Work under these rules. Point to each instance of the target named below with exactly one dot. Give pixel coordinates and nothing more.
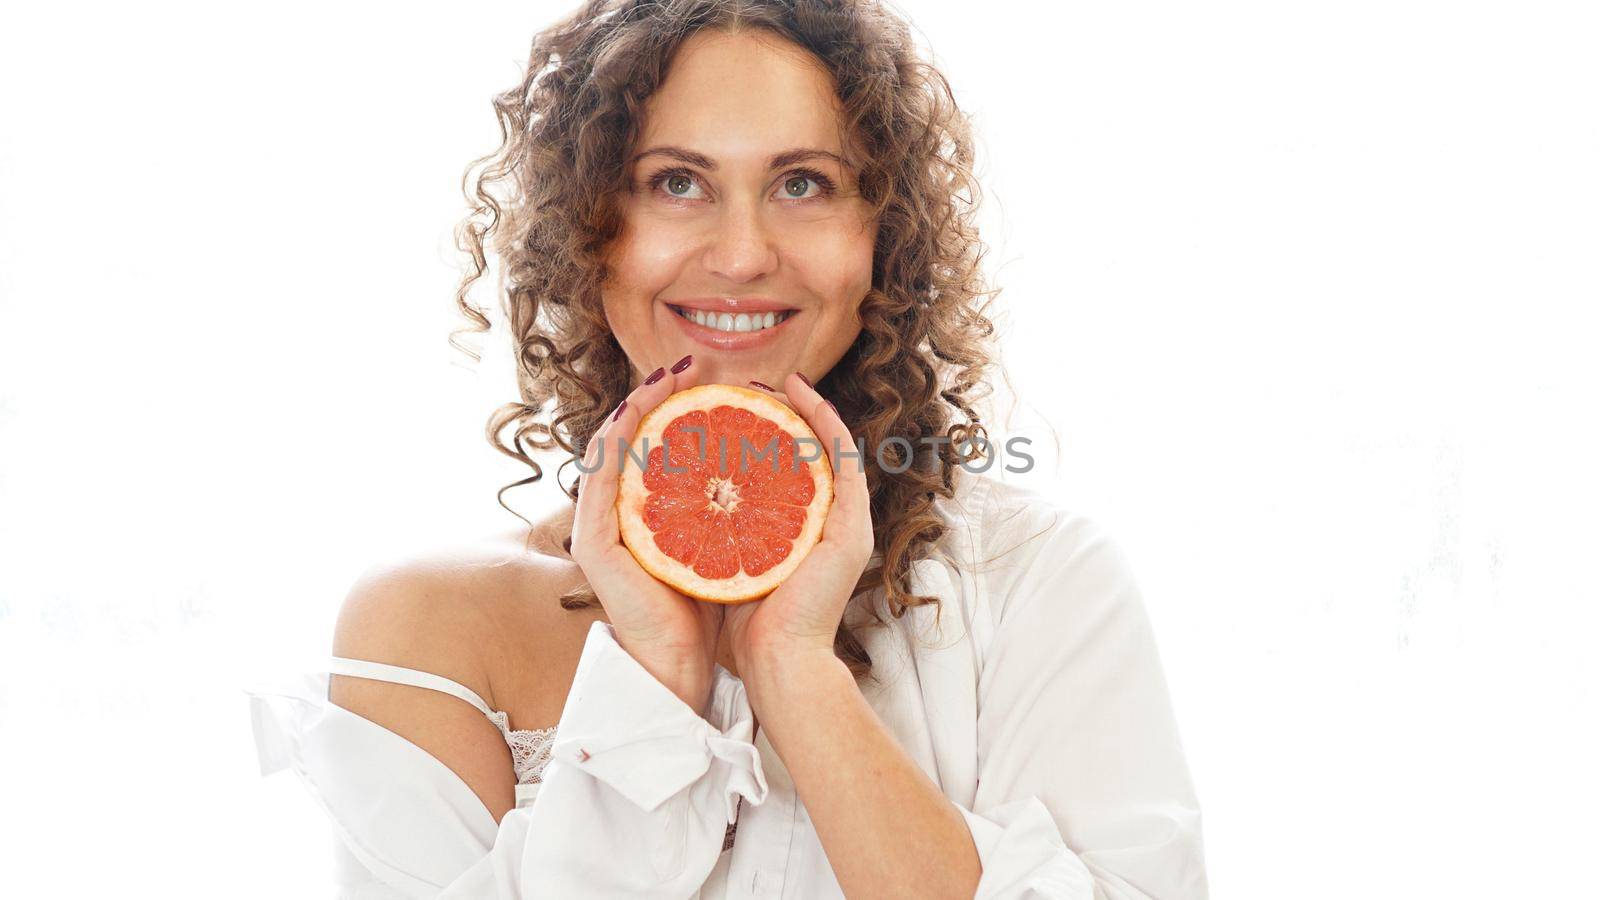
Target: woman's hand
(801, 617)
(672, 635)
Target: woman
(956, 694)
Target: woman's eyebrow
(778, 161)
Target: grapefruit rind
(632, 494)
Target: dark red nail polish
(657, 375)
(620, 407)
(805, 379)
(763, 387)
(682, 364)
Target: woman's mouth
(735, 322)
(728, 330)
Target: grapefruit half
(738, 504)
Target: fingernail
(762, 386)
(682, 364)
(805, 379)
(620, 407)
(832, 407)
(657, 375)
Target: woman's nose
(742, 247)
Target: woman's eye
(678, 185)
(795, 186)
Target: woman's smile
(728, 324)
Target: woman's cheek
(849, 264)
(648, 263)
(839, 245)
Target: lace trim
(530, 750)
(530, 753)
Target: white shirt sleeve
(1083, 789)
(638, 793)
(634, 802)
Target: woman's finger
(588, 521)
(657, 386)
(773, 392)
(824, 419)
(597, 500)
(850, 495)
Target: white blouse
(1037, 703)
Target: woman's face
(742, 212)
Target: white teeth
(729, 322)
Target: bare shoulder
(463, 606)
(482, 613)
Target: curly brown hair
(917, 368)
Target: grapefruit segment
(723, 509)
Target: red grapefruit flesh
(707, 523)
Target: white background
(1303, 290)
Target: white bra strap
(361, 668)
